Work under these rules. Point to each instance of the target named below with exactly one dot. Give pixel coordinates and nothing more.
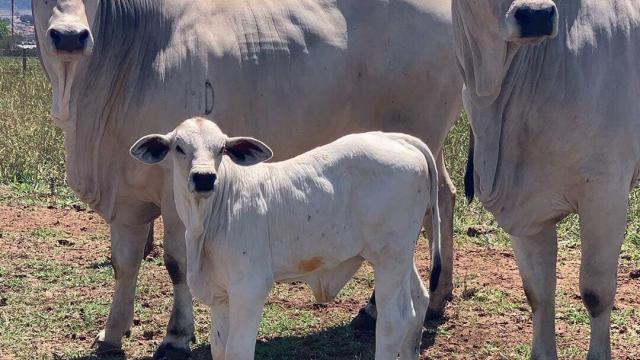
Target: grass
(56, 282)
(30, 146)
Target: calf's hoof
(169, 352)
(363, 321)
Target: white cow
(552, 92)
(314, 218)
(296, 73)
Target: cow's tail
(469, 186)
(436, 256)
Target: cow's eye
(179, 149)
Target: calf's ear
(151, 149)
(247, 151)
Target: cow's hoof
(170, 352)
(105, 349)
(435, 311)
(363, 321)
(433, 314)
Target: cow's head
(198, 147)
(489, 32)
(65, 38)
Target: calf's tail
(469, 187)
(436, 257)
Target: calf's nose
(69, 40)
(203, 182)
(536, 22)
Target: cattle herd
(355, 98)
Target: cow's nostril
(84, 35)
(55, 36)
(203, 182)
(551, 10)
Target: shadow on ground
(337, 343)
(341, 342)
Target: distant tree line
(5, 29)
(27, 19)
(6, 41)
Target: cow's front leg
(246, 302)
(536, 256)
(127, 248)
(219, 327)
(602, 226)
(180, 330)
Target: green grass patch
(494, 301)
(46, 233)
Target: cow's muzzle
(70, 41)
(532, 23)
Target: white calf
(314, 218)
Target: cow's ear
(247, 151)
(151, 149)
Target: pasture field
(56, 279)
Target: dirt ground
(56, 285)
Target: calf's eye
(179, 150)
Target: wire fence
(20, 60)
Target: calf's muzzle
(203, 182)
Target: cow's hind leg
(420, 300)
(537, 257)
(127, 248)
(180, 330)
(446, 203)
(602, 226)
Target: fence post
(24, 61)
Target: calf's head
(198, 146)
(65, 38)
(488, 32)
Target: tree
(27, 19)
(5, 29)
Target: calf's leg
(180, 329)
(127, 248)
(246, 301)
(394, 307)
(602, 227)
(537, 256)
(420, 300)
